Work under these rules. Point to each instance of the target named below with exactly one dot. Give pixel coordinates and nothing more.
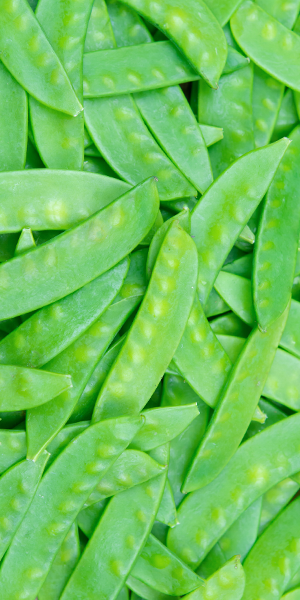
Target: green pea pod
(206, 49)
(26, 241)
(162, 425)
(273, 271)
(17, 488)
(290, 340)
(275, 500)
(167, 513)
(163, 570)
(236, 406)
(99, 35)
(155, 66)
(60, 496)
(242, 266)
(230, 107)
(13, 122)
(267, 100)
(294, 595)
(156, 330)
(80, 358)
(287, 117)
(229, 324)
(223, 10)
(278, 550)
(184, 219)
(128, 28)
(238, 539)
(270, 45)
(228, 583)
(211, 134)
(215, 305)
(136, 155)
(23, 388)
(60, 138)
(45, 199)
(114, 549)
(259, 464)
(176, 392)
(12, 447)
(130, 469)
(62, 567)
(168, 115)
(142, 590)
(88, 518)
(29, 57)
(215, 225)
(134, 212)
(63, 438)
(274, 415)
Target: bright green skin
(13, 447)
(62, 567)
(273, 270)
(28, 55)
(157, 224)
(53, 328)
(242, 266)
(184, 219)
(238, 539)
(60, 496)
(216, 225)
(60, 138)
(229, 324)
(45, 199)
(98, 165)
(102, 234)
(286, 13)
(223, 9)
(170, 118)
(99, 32)
(259, 464)
(17, 488)
(13, 122)
(80, 359)
(228, 583)
(163, 570)
(124, 71)
(112, 549)
(270, 45)
(211, 134)
(162, 425)
(128, 27)
(26, 241)
(294, 595)
(176, 392)
(274, 559)
(63, 438)
(275, 500)
(88, 518)
(230, 107)
(205, 47)
(142, 590)
(274, 415)
(267, 99)
(167, 513)
(237, 403)
(119, 132)
(130, 469)
(215, 305)
(287, 117)
(23, 388)
(156, 330)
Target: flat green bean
(287, 117)
(13, 122)
(275, 499)
(62, 566)
(167, 513)
(228, 583)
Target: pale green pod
(184, 219)
(259, 464)
(13, 122)
(26, 241)
(287, 117)
(294, 595)
(228, 583)
(142, 590)
(211, 134)
(162, 425)
(29, 57)
(12, 447)
(223, 10)
(99, 35)
(62, 567)
(167, 513)
(275, 500)
(266, 101)
(156, 330)
(128, 27)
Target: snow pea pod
(259, 464)
(23, 388)
(53, 328)
(123, 71)
(13, 447)
(62, 567)
(128, 27)
(211, 134)
(236, 406)
(293, 595)
(162, 425)
(266, 101)
(223, 10)
(169, 116)
(60, 496)
(17, 488)
(273, 270)
(230, 107)
(205, 47)
(286, 13)
(270, 45)
(275, 500)
(287, 117)
(216, 225)
(229, 324)
(167, 513)
(131, 468)
(30, 58)
(184, 219)
(99, 33)
(63, 438)
(134, 212)
(242, 266)
(80, 359)
(60, 138)
(142, 590)
(13, 122)
(228, 583)
(119, 132)
(156, 330)
(114, 549)
(275, 557)
(163, 570)
(26, 241)
(46, 199)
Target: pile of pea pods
(149, 299)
